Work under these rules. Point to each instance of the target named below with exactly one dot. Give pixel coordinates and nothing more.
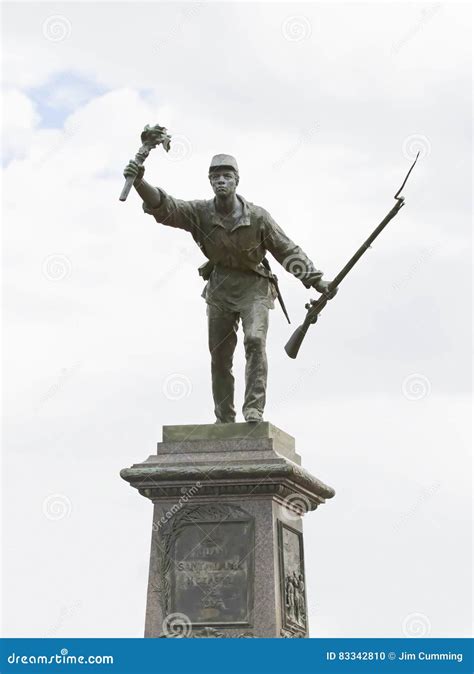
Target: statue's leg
(255, 326)
(222, 327)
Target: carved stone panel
(208, 562)
(292, 581)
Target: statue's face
(224, 182)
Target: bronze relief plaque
(292, 579)
(212, 570)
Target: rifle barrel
(293, 345)
(358, 254)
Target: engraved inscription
(213, 571)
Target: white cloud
(19, 121)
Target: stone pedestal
(227, 542)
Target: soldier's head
(223, 174)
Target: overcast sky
(325, 107)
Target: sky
(325, 106)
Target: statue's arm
(165, 209)
(149, 194)
(289, 255)
(170, 211)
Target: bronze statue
(235, 236)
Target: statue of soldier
(234, 235)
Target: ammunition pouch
(205, 270)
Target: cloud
(20, 119)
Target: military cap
(223, 161)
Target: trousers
(222, 331)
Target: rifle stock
(293, 344)
(314, 307)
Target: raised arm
(165, 209)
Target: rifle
(314, 307)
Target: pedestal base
(227, 544)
